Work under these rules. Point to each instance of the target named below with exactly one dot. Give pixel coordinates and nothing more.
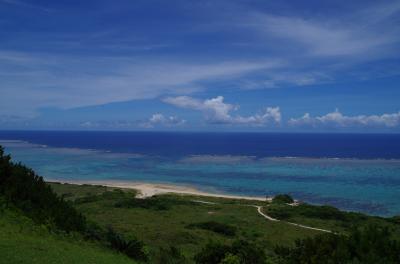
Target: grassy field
(161, 228)
(184, 221)
(178, 219)
(21, 241)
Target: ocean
(355, 172)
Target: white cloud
(219, 112)
(161, 120)
(363, 32)
(337, 119)
(68, 82)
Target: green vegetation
(22, 189)
(371, 244)
(186, 223)
(170, 255)
(326, 217)
(111, 225)
(282, 198)
(132, 248)
(220, 228)
(23, 241)
(154, 203)
(239, 252)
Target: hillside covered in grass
(54, 222)
(23, 241)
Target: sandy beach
(151, 189)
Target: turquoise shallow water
(371, 186)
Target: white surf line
(290, 223)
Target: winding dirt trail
(259, 210)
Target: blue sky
(288, 66)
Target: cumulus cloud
(337, 119)
(218, 112)
(160, 119)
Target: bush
(395, 219)
(321, 212)
(220, 228)
(132, 248)
(212, 253)
(171, 255)
(154, 203)
(283, 212)
(364, 245)
(230, 259)
(239, 252)
(148, 203)
(23, 188)
(282, 198)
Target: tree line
(22, 188)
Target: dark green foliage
(87, 199)
(368, 245)
(154, 203)
(220, 228)
(324, 212)
(20, 187)
(24, 189)
(240, 250)
(230, 259)
(133, 248)
(94, 232)
(116, 194)
(149, 203)
(212, 253)
(395, 219)
(171, 255)
(248, 253)
(282, 198)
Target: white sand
(150, 189)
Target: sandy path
(259, 210)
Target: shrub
(282, 198)
(154, 203)
(171, 255)
(133, 248)
(148, 203)
(230, 259)
(364, 245)
(239, 252)
(213, 252)
(321, 212)
(220, 228)
(248, 253)
(23, 188)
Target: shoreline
(147, 189)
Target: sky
(254, 65)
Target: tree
(282, 198)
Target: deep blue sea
(357, 172)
